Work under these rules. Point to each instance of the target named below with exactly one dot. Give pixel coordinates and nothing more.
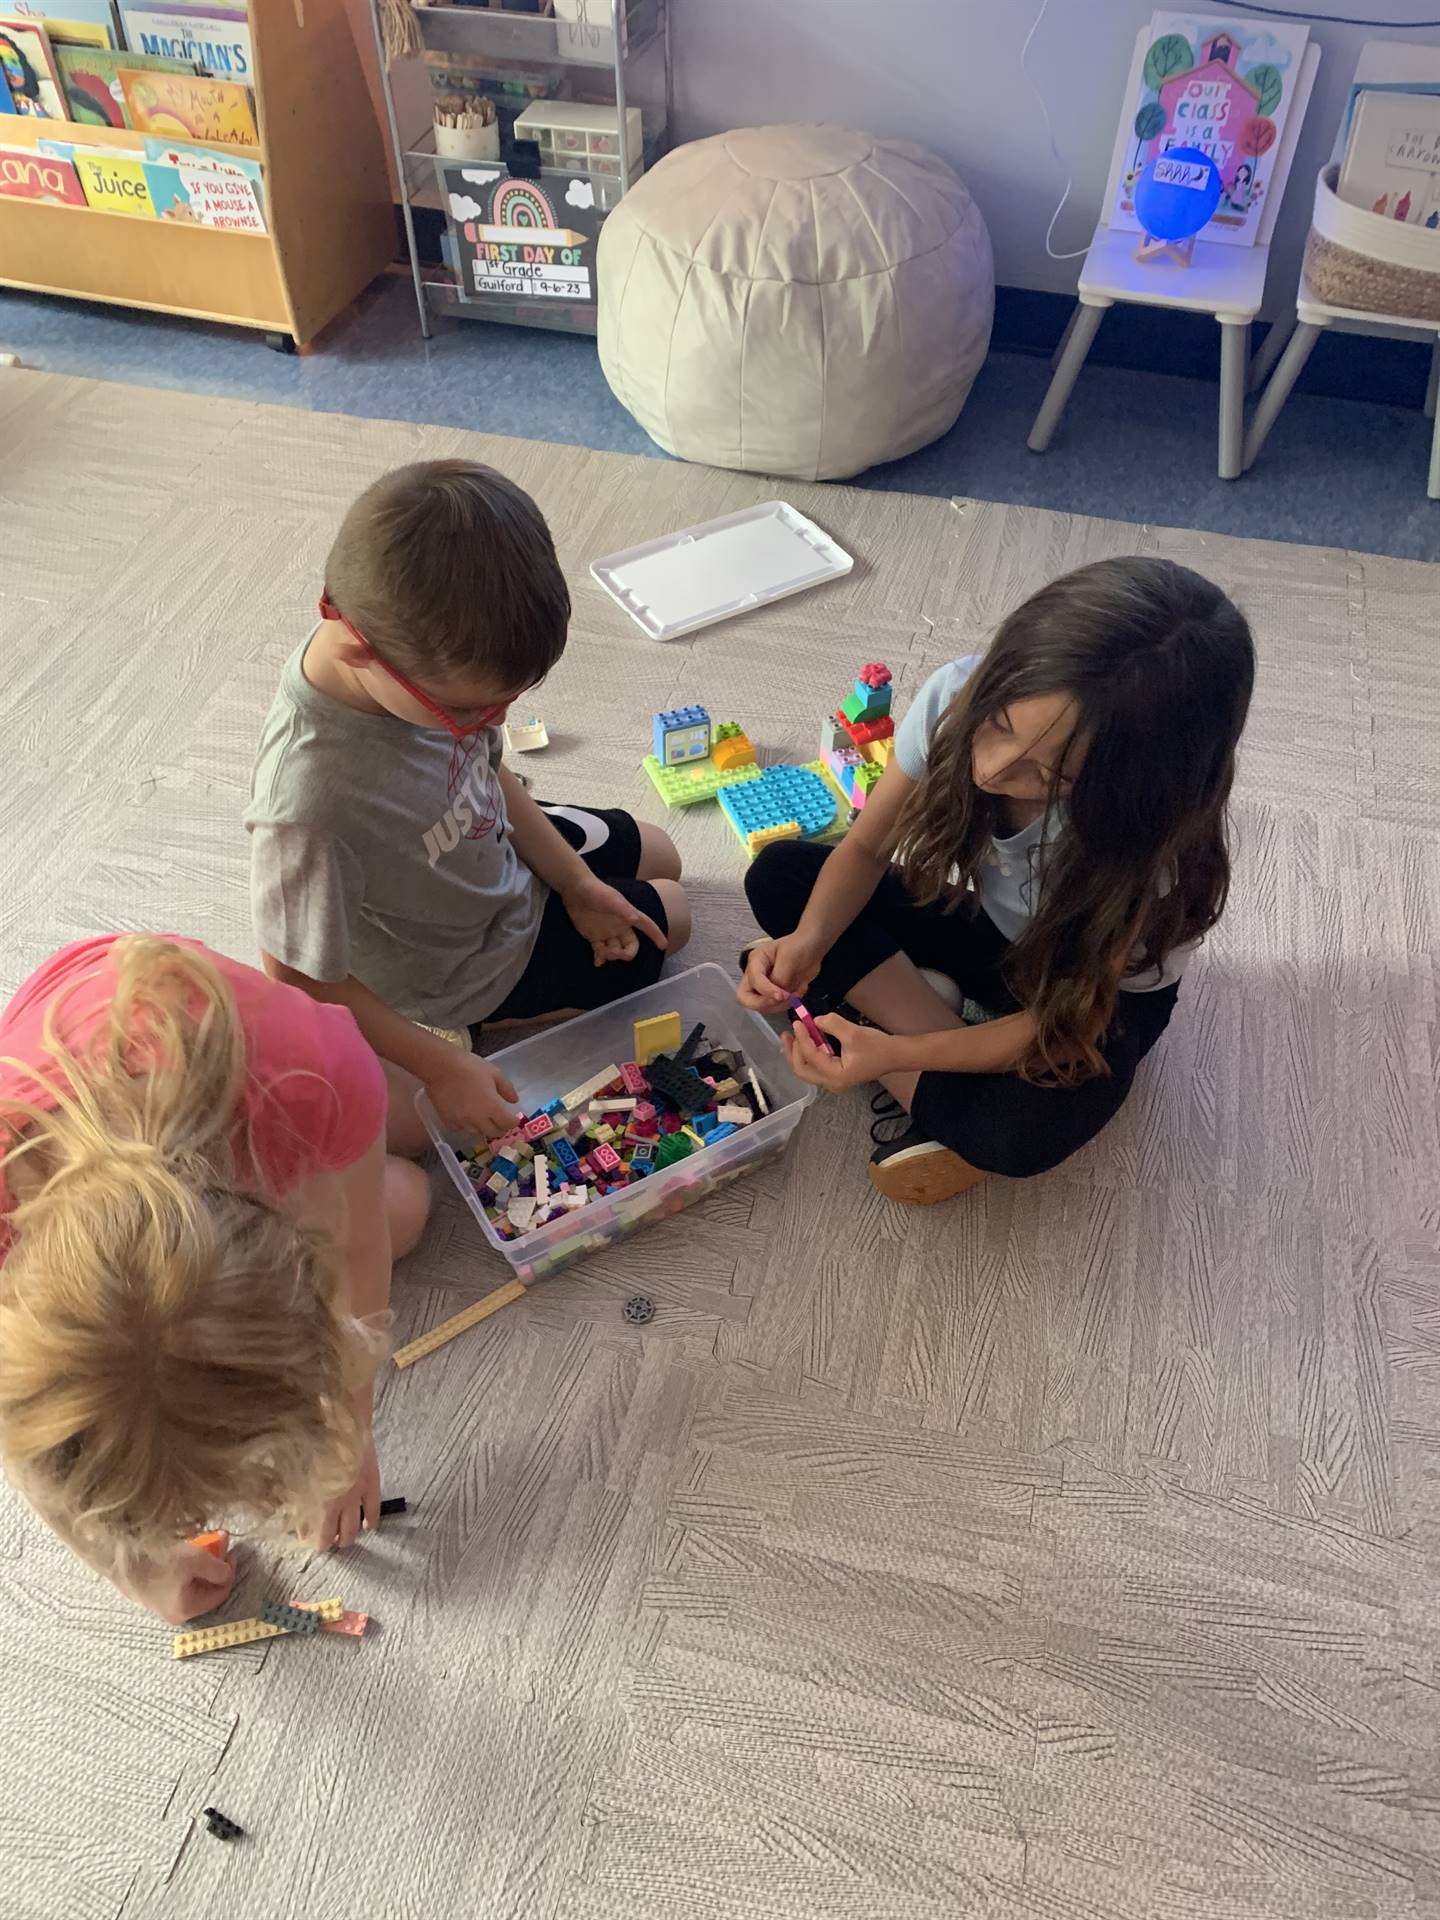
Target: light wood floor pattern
(1069, 1553)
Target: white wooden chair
(1226, 281)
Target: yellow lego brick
(327, 1609)
(660, 1034)
(734, 751)
(762, 836)
(234, 1633)
(878, 752)
(459, 1323)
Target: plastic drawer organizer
(551, 1062)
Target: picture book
(216, 40)
(31, 175)
(28, 69)
(90, 81)
(205, 196)
(1224, 85)
(1387, 66)
(76, 33)
(1392, 159)
(114, 182)
(91, 14)
(7, 105)
(195, 109)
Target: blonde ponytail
(173, 1347)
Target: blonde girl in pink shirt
(198, 1216)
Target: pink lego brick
(604, 1158)
(634, 1078)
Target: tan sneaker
(919, 1172)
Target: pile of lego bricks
(622, 1124)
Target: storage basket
(1368, 264)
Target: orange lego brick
(352, 1623)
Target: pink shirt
(315, 1097)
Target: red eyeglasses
(491, 717)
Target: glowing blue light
(1177, 192)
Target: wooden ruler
(460, 1323)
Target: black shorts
(994, 1121)
(561, 972)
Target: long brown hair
(1159, 665)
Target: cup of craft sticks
(466, 127)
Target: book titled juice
(181, 105)
(115, 182)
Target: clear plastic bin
(551, 1063)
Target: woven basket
(1369, 264)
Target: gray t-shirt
(1006, 881)
(383, 850)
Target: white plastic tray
(723, 567)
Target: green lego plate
(684, 786)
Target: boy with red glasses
(398, 867)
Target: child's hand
(608, 921)
(356, 1511)
(471, 1097)
(189, 1583)
(865, 1054)
(775, 970)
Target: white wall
(947, 73)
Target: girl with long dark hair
(1048, 843)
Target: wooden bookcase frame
(328, 204)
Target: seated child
(1050, 838)
(398, 866)
(197, 1223)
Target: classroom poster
(523, 239)
(1225, 85)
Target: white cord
(1055, 152)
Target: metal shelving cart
(499, 259)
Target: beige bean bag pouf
(803, 301)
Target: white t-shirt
(1008, 875)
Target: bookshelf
(328, 204)
(612, 54)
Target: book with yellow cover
(181, 105)
(114, 182)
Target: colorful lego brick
(347, 1622)
(675, 1146)
(222, 1826)
(635, 1081)
(867, 730)
(279, 1613)
(459, 1323)
(757, 1090)
(801, 1012)
(614, 1103)
(682, 733)
(717, 1134)
(690, 1046)
(235, 1633)
(859, 707)
(874, 673)
(521, 1214)
(731, 750)
(659, 1034)
(642, 1155)
(704, 1123)
(733, 1115)
(833, 737)
(781, 794)
(581, 1095)
(324, 1609)
(604, 1159)
(537, 1129)
(688, 786)
(679, 1087)
(542, 1180)
(503, 1169)
(565, 1157)
(879, 752)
